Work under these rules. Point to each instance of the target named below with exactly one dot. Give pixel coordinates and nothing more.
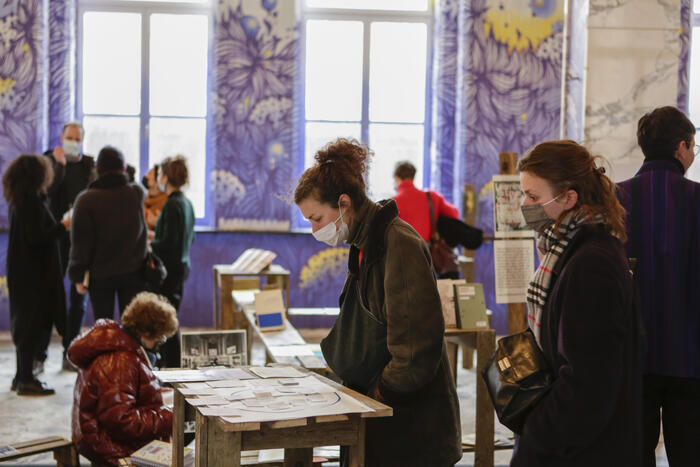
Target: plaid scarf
(552, 247)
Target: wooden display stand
(227, 279)
(484, 341)
(219, 443)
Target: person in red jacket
(117, 406)
(413, 204)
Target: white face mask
(328, 233)
(71, 148)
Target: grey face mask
(535, 217)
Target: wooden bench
(63, 450)
(285, 346)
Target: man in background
(73, 172)
(108, 237)
(413, 205)
(663, 234)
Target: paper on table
(197, 392)
(220, 411)
(207, 400)
(276, 372)
(290, 350)
(227, 383)
(229, 373)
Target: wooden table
(219, 443)
(225, 277)
(484, 341)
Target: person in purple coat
(581, 310)
(663, 231)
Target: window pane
(397, 74)
(111, 63)
(120, 132)
(406, 5)
(178, 68)
(185, 136)
(333, 70)
(320, 134)
(393, 143)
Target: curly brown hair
(26, 175)
(340, 168)
(151, 316)
(566, 165)
(175, 168)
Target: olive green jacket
(397, 285)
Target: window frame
(366, 17)
(146, 9)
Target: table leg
(452, 349)
(301, 457)
(201, 435)
(178, 428)
(356, 453)
(483, 450)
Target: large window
(143, 83)
(694, 82)
(366, 77)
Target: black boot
(34, 388)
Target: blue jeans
(77, 306)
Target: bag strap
(433, 227)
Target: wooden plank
(34, 442)
(287, 423)
(37, 449)
(302, 457)
(452, 350)
(66, 456)
(228, 307)
(517, 317)
(201, 440)
(223, 448)
(343, 433)
(178, 438)
(483, 452)
(331, 418)
(217, 286)
(357, 451)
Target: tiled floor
(24, 418)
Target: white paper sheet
(276, 372)
(514, 265)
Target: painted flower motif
(521, 24)
(4, 294)
(7, 32)
(227, 186)
(272, 110)
(276, 152)
(269, 5)
(8, 97)
(250, 25)
(551, 48)
(325, 266)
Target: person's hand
(80, 288)
(151, 218)
(66, 222)
(59, 155)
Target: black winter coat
(34, 273)
(590, 338)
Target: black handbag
(154, 270)
(517, 377)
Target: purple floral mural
(62, 28)
(255, 55)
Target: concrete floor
(25, 418)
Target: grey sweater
(108, 230)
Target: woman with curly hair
(34, 273)
(117, 406)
